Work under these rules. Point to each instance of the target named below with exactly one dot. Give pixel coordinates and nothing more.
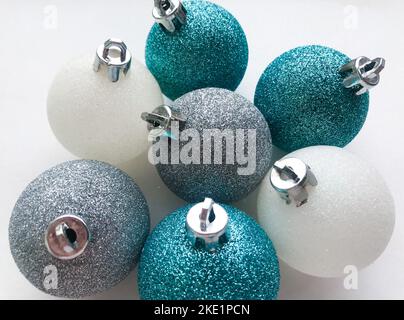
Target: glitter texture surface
(302, 97)
(95, 118)
(246, 267)
(348, 219)
(116, 214)
(221, 109)
(209, 50)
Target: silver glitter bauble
(205, 172)
(78, 228)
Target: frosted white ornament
(345, 216)
(94, 107)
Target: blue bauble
(305, 103)
(105, 221)
(244, 267)
(209, 50)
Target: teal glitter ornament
(315, 95)
(195, 44)
(208, 251)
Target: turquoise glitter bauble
(244, 267)
(209, 50)
(305, 103)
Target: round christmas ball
(315, 95)
(325, 210)
(208, 251)
(222, 149)
(94, 106)
(195, 44)
(78, 229)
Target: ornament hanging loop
(206, 214)
(290, 177)
(115, 57)
(160, 121)
(67, 237)
(206, 225)
(363, 73)
(170, 14)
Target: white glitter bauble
(348, 219)
(95, 118)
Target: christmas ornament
(325, 209)
(315, 95)
(220, 146)
(195, 44)
(208, 251)
(78, 228)
(94, 107)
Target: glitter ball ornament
(78, 228)
(94, 107)
(208, 251)
(325, 209)
(315, 95)
(195, 44)
(222, 148)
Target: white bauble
(348, 219)
(95, 118)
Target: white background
(33, 46)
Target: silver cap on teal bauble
(213, 143)
(315, 95)
(195, 44)
(170, 14)
(207, 224)
(78, 228)
(208, 251)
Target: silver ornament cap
(113, 56)
(170, 14)
(160, 121)
(290, 177)
(363, 73)
(206, 225)
(67, 237)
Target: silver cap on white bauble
(115, 57)
(289, 177)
